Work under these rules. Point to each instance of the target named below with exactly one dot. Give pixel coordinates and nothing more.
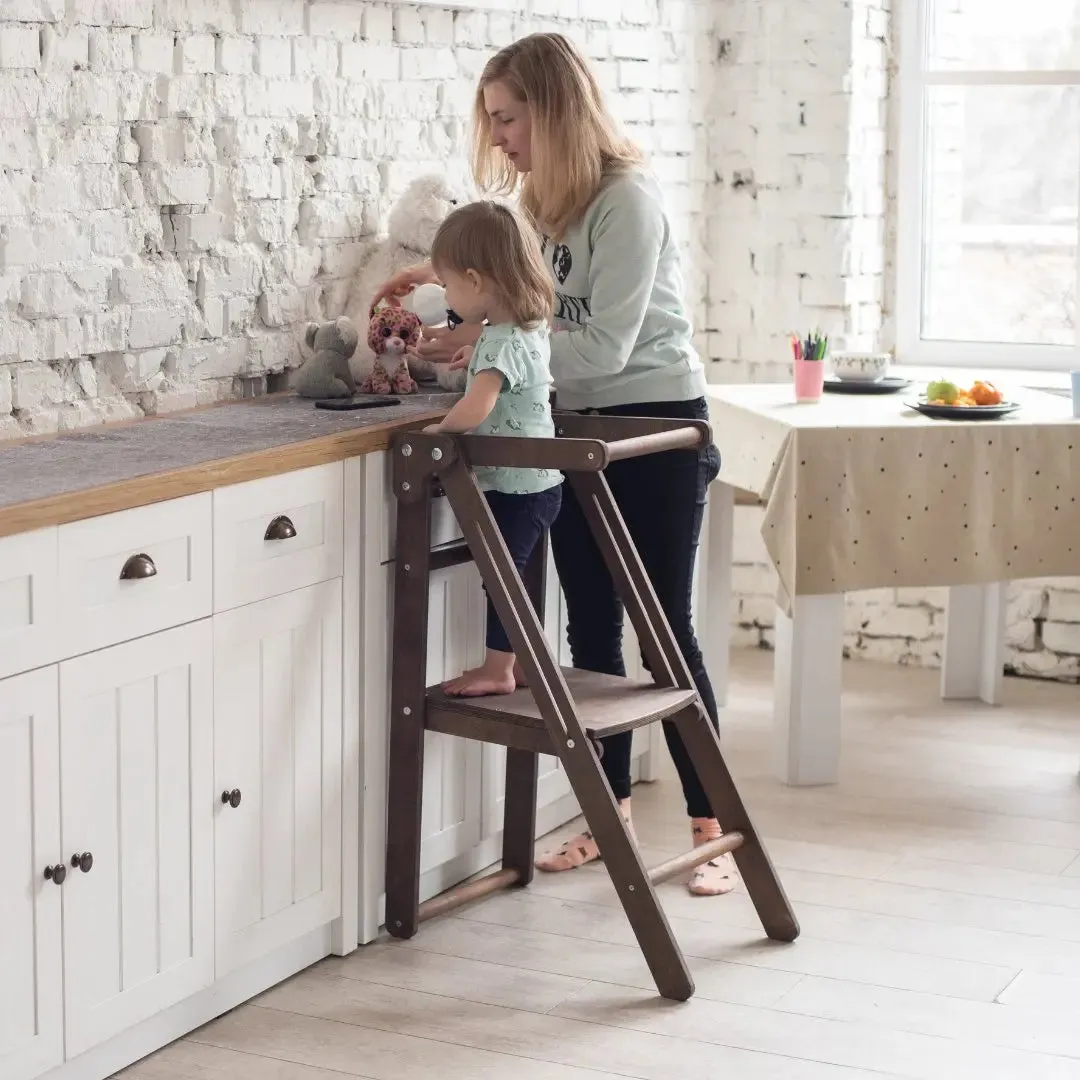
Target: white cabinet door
(31, 994)
(277, 745)
(135, 754)
(452, 766)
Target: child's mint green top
(522, 408)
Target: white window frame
(913, 79)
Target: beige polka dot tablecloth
(862, 491)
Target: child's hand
(433, 429)
(461, 358)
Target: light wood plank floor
(938, 886)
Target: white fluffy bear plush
(413, 222)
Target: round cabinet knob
(231, 798)
(56, 874)
(281, 528)
(138, 567)
(83, 862)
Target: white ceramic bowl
(860, 366)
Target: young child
(489, 261)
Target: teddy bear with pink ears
(413, 222)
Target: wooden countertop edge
(205, 476)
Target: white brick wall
(183, 182)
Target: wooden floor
(938, 888)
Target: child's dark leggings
(522, 520)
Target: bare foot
(717, 876)
(479, 683)
(519, 676)
(580, 849)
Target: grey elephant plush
(326, 373)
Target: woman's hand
(442, 345)
(462, 358)
(403, 283)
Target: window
(988, 261)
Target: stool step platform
(606, 705)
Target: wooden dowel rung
(689, 859)
(464, 894)
(638, 445)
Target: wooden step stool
(565, 711)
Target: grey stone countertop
(58, 468)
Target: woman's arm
(475, 407)
(403, 283)
(626, 244)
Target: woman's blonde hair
(500, 246)
(575, 140)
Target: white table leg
(973, 659)
(806, 685)
(714, 586)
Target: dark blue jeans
(522, 520)
(662, 500)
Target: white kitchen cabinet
(31, 994)
(277, 771)
(135, 761)
(453, 767)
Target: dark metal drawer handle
(281, 528)
(231, 798)
(56, 874)
(83, 862)
(138, 567)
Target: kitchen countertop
(55, 479)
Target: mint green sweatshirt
(622, 332)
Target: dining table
(863, 491)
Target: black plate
(887, 385)
(963, 412)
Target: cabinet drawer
(134, 572)
(444, 525)
(278, 534)
(28, 601)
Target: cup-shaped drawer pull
(138, 567)
(281, 528)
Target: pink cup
(809, 380)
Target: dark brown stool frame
(565, 711)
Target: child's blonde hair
(501, 247)
(575, 140)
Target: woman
(622, 347)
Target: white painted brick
(154, 326)
(196, 53)
(377, 23)
(438, 27)
(1063, 607)
(34, 10)
(155, 53)
(634, 44)
(340, 19)
(236, 55)
(408, 26)
(177, 184)
(112, 12)
(470, 29)
(272, 17)
(274, 56)
(20, 47)
(193, 15)
(110, 50)
(317, 56)
(428, 64)
(362, 60)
